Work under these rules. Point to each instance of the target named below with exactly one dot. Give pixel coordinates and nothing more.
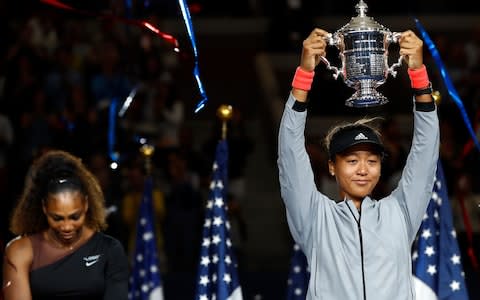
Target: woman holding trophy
(358, 248)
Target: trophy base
(371, 99)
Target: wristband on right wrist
(302, 79)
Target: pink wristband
(419, 78)
(302, 79)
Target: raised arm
(416, 184)
(297, 184)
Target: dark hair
(53, 172)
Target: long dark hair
(52, 172)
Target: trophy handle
(393, 38)
(332, 41)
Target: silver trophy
(363, 44)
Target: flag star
(216, 239)
(227, 224)
(147, 236)
(145, 288)
(453, 233)
(228, 260)
(205, 261)
(153, 269)
(203, 297)
(204, 280)
(432, 269)
(215, 166)
(229, 243)
(219, 202)
(425, 216)
(209, 204)
(139, 257)
(298, 292)
(143, 221)
(207, 223)
(426, 234)
(429, 251)
(142, 273)
(296, 247)
(297, 269)
(220, 184)
(227, 278)
(214, 277)
(217, 221)
(455, 259)
(206, 242)
(415, 255)
(455, 285)
(435, 215)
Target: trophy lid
(362, 22)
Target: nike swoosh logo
(89, 263)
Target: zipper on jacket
(361, 247)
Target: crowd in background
(61, 76)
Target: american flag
(298, 276)
(217, 269)
(145, 279)
(437, 264)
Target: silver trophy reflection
(363, 44)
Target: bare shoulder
(19, 250)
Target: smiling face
(66, 212)
(357, 171)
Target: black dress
(96, 270)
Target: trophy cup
(363, 44)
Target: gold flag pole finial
(147, 152)
(224, 112)
(437, 97)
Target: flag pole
(145, 278)
(224, 113)
(147, 152)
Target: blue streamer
(112, 118)
(128, 7)
(196, 70)
(446, 79)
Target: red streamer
(143, 24)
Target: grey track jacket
(345, 248)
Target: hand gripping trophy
(363, 44)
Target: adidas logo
(361, 136)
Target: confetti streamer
(196, 69)
(140, 23)
(446, 79)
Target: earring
(333, 174)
